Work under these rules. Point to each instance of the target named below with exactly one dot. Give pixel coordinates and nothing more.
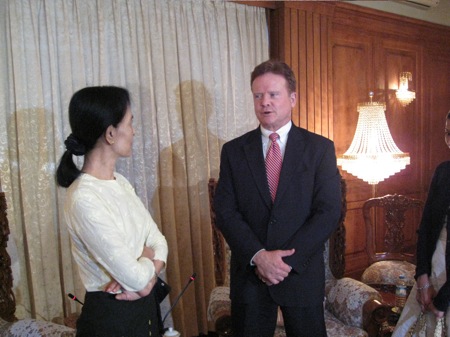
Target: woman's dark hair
(91, 111)
(278, 68)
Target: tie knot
(273, 137)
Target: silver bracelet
(426, 286)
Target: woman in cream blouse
(115, 242)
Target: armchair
(345, 297)
(390, 257)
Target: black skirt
(104, 316)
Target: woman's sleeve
(425, 247)
(95, 225)
(157, 241)
(442, 298)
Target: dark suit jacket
(433, 216)
(303, 216)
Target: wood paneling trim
(264, 4)
(389, 24)
(319, 7)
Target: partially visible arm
(229, 219)
(127, 295)
(425, 292)
(148, 252)
(156, 248)
(270, 267)
(440, 301)
(110, 247)
(114, 286)
(325, 210)
(99, 243)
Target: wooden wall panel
(391, 58)
(339, 52)
(346, 95)
(300, 38)
(435, 112)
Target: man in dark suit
(277, 232)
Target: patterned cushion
(336, 328)
(388, 272)
(345, 300)
(219, 303)
(34, 328)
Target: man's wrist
(253, 258)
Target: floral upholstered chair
(345, 297)
(34, 328)
(10, 326)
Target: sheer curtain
(187, 65)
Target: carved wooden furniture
(351, 306)
(219, 245)
(9, 325)
(390, 258)
(7, 299)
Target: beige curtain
(187, 65)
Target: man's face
(272, 100)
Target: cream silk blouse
(109, 226)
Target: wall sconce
(373, 156)
(404, 95)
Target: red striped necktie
(273, 164)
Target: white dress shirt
(282, 140)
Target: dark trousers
(258, 319)
(104, 316)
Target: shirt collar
(282, 132)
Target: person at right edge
(277, 232)
(431, 293)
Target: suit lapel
(294, 146)
(255, 159)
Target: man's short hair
(275, 67)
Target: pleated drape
(187, 64)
